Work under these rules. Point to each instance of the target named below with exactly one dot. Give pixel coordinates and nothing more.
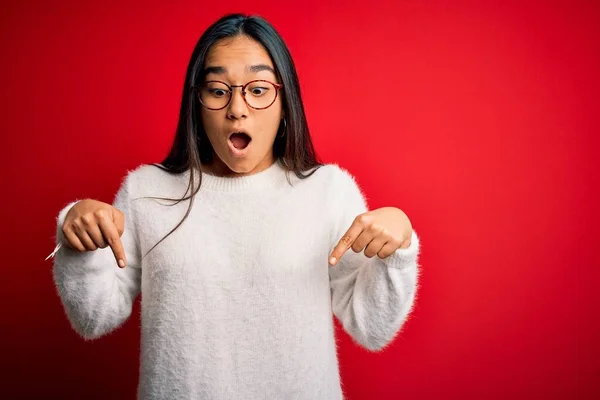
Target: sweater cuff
(405, 258)
(60, 220)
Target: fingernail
(332, 260)
(121, 263)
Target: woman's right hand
(91, 224)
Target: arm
(371, 297)
(96, 294)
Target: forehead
(240, 51)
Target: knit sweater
(238, 302)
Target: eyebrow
(261, 67)
(218, 70)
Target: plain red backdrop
(479, 119)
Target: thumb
(119, 220)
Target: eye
(217, 92)
(258, 91)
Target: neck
(218, 168)
(269, 178)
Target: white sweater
(237, 303)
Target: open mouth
(240, 140)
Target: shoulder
(339, 183)
(339, 178)
(345, 199)
(334, 174)
(150, 179)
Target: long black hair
(191, 148)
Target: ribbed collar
(272, 177)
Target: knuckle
(100, 214)
(364, 220)
(396, 242)
(75, 226)
(346, 240)
(87, 219)
(112, 241)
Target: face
(242, 137)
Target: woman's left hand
(378, 232)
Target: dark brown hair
(191, 148)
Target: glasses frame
(197, 89)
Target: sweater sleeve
(371, 297)
(96, 294)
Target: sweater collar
(271, 177)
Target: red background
(480, 120)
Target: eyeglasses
(258, 94)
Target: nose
(237, 109)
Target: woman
(229, 238)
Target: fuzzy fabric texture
(238, 302)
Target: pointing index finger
(109, 230)
(345, 242)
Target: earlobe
(284, 131)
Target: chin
(241, 166)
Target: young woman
(238, 241)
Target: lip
(237, 153)
(238, 130)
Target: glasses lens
(260, 94)
(214, 95)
